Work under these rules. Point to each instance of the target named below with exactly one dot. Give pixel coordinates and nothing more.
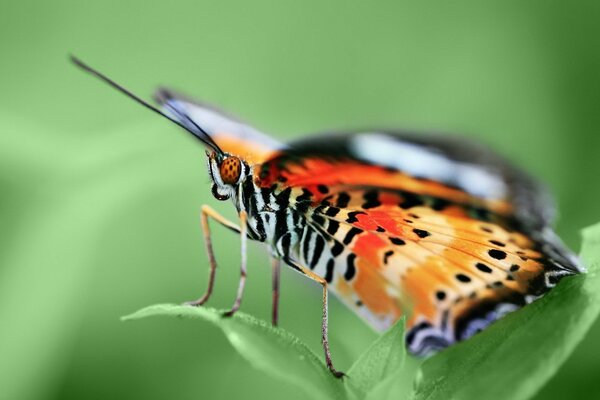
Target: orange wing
(452, 255)
(452, 274)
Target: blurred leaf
(383, 359)
(272, 350)
(397, 386)
(516, 356)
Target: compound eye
(230, 170)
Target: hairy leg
(324, 337)
(206, 213)
(242, 283)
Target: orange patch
(367, 248)
(314, 171)
(252, 152)
(371, 290)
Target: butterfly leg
(242, 283)
(275, 270)
(206, 213)
(324, 337)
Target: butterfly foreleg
(242, 283)
(324, 337)
(206, 213)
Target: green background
(100, 200)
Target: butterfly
(441, 230)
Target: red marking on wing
(367, 248)
(312, 172)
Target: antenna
(198, 132)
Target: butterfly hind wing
(450, 272)
(443, 231)
(230, 134)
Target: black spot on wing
(497, 254)
(410, 200)
(387, 255)
(318, 219)
(332, 211)
(323, 189)
(329, 270)
(342, 200)
(350, 235)
(397, 241)
(319, 246)
(371, 199)
(421, 233)
(332, 227)
(351, 268)
(352, 216)
(483, 268)
(337, 248)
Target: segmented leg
(242, 283)
(207, 212)
(324, 340)
(275, 269)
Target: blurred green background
(100, 200)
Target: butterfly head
(227, 172)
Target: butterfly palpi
(441, 230)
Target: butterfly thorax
(272, 217)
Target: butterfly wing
(232, 135)
(447, 233)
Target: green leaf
(516, 356)
(384, 358)
(397, 386)
(272, 350)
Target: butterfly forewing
(231, 135)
